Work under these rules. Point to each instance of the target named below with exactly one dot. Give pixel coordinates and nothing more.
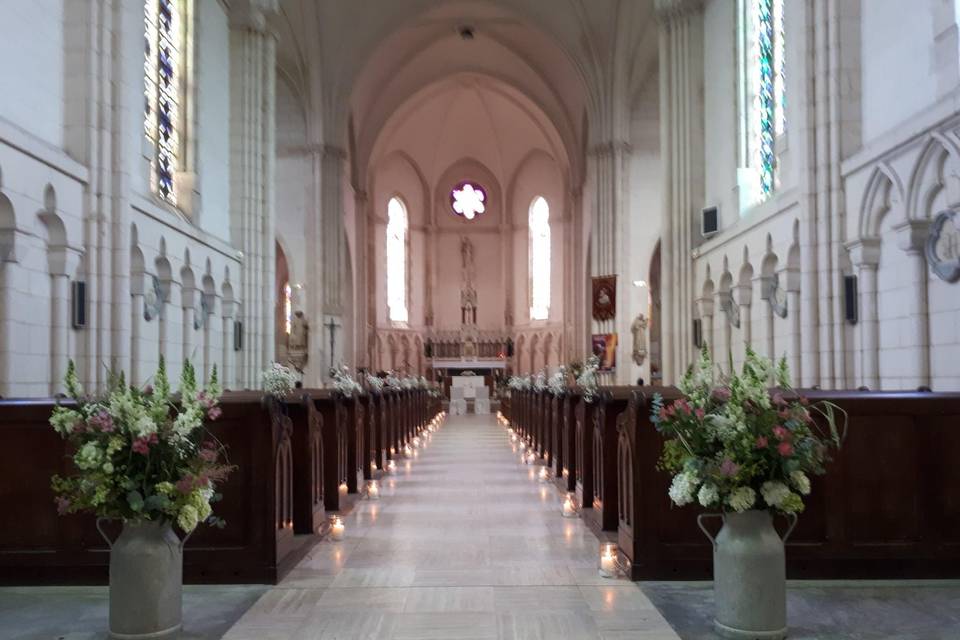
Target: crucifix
(332, 326)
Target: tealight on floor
(463, 543)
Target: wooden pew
(375, 460)
(567, 475)
(889, 506)
(338, 465)
(583, 453)
(309, 514)
(38, 547)
(600, 506)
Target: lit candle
(523, 445)
(544, 475)
(416, 442)
(373, 490)
(407, 451)
(392, 466)
(336, 529)
(569, 509)
(608, 560)
(343, 487)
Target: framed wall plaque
(604, 297)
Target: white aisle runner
(463, 544)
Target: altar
(469, 391)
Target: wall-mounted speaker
(850, 298)
(709, 221)
(237, 335)
(78, 304)
(697, 333)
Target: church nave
(463, 544)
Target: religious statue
(298, 341)
(466, 252)
(639, 331)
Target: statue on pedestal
(298, 341)
(639, 331)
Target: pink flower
(214, 412)
(63, 505)
(721, 394)
(148, 390)
(782, 433)
(663, 413)
(762, 442)
(700, 414)
(785, 449)
(101, 421)
(729, 468)
(778, 399)
(141, 446)
(208, 455)
(185, 485)
(784, 414)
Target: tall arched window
(762, 97)
(397, 260)
(539, 251)
(163, 44)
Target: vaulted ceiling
(354, 63)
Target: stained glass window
(163, 42)
(468, 199)
(539, 223)
(287, 307)
(397, 260)
(763, 95)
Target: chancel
(331, 319)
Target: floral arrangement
(375, 383)
(519, 383)
(557, 383)
(408, 383)
(139, 454)
(587, 379)
(539, 381)
(344, 383)
(278, 380)
(422, 383)
(393, 382)
(732, 445)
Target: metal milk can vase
(146, 581)
(749, 576)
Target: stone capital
(743, 294)
(252, 15)
(610, 148)
(865, 251)
(705, 305)
(669, 10)
(789, 278)
(912, 235)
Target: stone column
(227, 375)
(865, 256)
(188, 302)
(766, 311)
(706, 316)
(743, 296)
(912, 237)
(725, 302)
(790, 280)
(171, 328)
(252, 150)
(681, 144)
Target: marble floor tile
(464, 543)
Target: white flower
(742, 499)
(558, 382)
(185, 423)
(89, 456)
(708, 495)
(774, 493)
(188, 518)
(344, 382)
(107, 467)
(800, 482)
(682, 488)
(375, 383)
(277, 380)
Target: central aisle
(463, 544)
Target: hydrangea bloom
(683, 487)
(742, 499)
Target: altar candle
(608, 560)
(336, 529)
(569, 509)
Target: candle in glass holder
(336, 529)
(373, 490)
(608, 560)
(392, 466)
(569, 508)
(343, 487)
(523, 445)
(416, 442)
(407, 451)
(544, 475)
